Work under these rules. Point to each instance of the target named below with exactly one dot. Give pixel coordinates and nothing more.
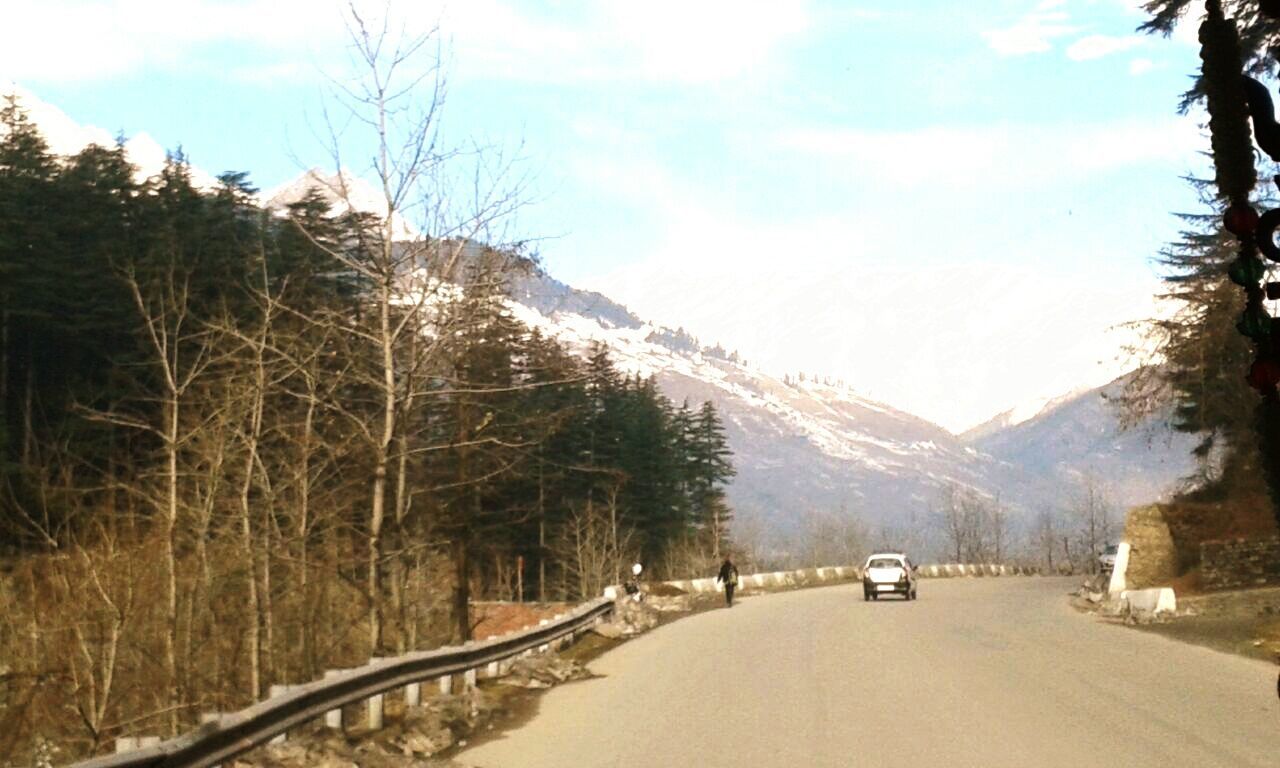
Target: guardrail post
(148, 741)
(211, 717)
(126, 744)
(272, 692)
(469, 678)
(559, 642)
(543, 648)
(446, 685)
(333, 718)
(413, 694)
(374, 704)
(493, 670)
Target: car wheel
(866, 596)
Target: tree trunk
(307, 609)
(378, 507)
(542, 534)
(28, 426)
(461, 590)
(171, 564)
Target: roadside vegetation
(241, 446)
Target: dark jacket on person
(728, 573)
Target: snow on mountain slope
(1078, 435)
(342, 191)
(798, 447)
(806, 447)
(1018, 414)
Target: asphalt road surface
(978, 672)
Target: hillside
(803, 447)
(1079, 435)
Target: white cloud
(1032, 33)
(88, 40)
(663, 40)
(1098, 46)
(998, 154)
(1140, 66)
(65, 136)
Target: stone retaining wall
(1153, 557)
(1240, 563)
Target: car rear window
(885, 562)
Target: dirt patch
(1188, 583)
(497, 619)
(1244, 636)
(663, 590)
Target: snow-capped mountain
(67, 137)
(1078, 436)
(802, 447)
(1018, 414)
(342, 191)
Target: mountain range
(804, 446)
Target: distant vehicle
(888, 573)
(1108, 558)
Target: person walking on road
(728, 575)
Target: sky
(951, 206)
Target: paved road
(978, 672)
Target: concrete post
(492, 670)
(374, 716)
(446, 685)
(413, 695)
(211, 717)
(545, 646)
(333, 718)
(126, 744)
(1117, 584)
(374, 705)
(272, 692)
(469, 678)
(148, 741)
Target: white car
(1107, 560)
(888, 573)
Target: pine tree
(711, 469)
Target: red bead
(1264, 375)
(1240, 220)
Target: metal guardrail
(236, 733)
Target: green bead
(1255, 323)
(1246, 271)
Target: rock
(425, 745)
(523, 682)
(611, 631)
